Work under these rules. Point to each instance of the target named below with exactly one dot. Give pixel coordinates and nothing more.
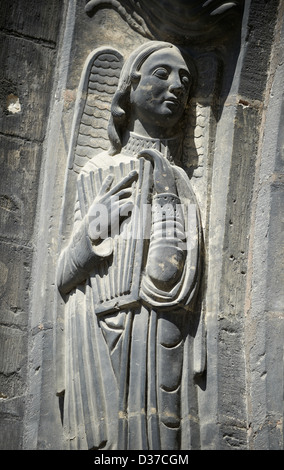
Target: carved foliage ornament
(178, 21)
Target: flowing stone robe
(130, 316)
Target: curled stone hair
(121, 101)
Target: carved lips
(172, 101)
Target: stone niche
(219, 383)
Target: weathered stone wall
(29, 33)
(264, 319)
(231, 246)
(239, 188)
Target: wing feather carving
(98, 83)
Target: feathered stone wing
(98, 83)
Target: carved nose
(176, 86)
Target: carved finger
(126, 209)
(151, 154)
(123, 204)
(124, 193)
(159, 162)
(124, 183)
(107, 182)
(163, 173)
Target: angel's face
(160, 97)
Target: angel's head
(152, 94)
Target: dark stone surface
(28, 39)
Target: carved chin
(169, 115)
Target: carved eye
(162, 73)
(185, 79)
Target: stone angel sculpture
(130, 272)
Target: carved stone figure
(130, 272)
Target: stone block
(14, 295)
(14, 284)
(275, 277)
(11, 423)
(20, 164)
(36, 18)
(25, 83)
(10, 433)
(12, 349)
(260, 32)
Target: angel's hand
(110, 206)
(163, 175)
